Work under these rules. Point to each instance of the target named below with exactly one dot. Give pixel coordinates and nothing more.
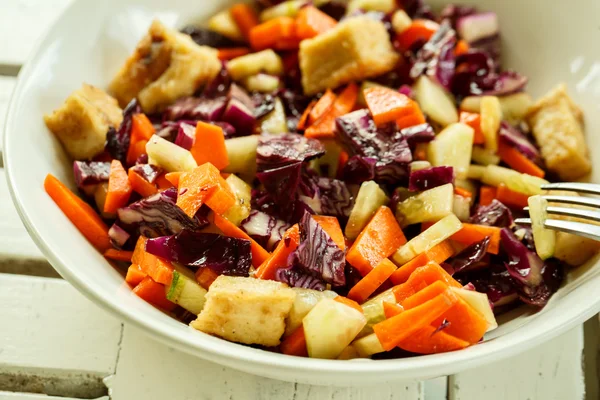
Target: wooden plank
(139, 377)
(7, 84)
(436, 389)
(551, 371)
(591, 357)
(31, 396)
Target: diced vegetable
(420, 165)
(245, 17)
(259, 254)
(209, 146)
(388, 105)
(435, 102)
(266, 61)
(324, 127)
(419, 30)
(141, 185)
(295, 344)
(437, 254)
(368, 345)
(370, 197)
(545, 239)
(304, 301)
(243, 196)
(274, 122)
(461, 207)
(526, 184)
(514, 106)
(271, 32)
(484, 157)
(261, 83)
(400, 21)
(285, 9)
(495, 175)
(517, 161)
(169, 156)
(475, 171)
(185, 291)
(242, 156)
(311, 22)
(385, 6)
(372, 281)
(480, 303)
(428, 206)
(224, 24)
(153, 293)
(134, 275)
(477, 26)
(204, 185)
(471, 233)
(491, 117)
(453, 147)
(279, 257)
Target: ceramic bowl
(91, 40)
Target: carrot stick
(421, 278)
(373, 280)
(391, 309)
(291, 43)
(222, 199)
(259, 254)
(472, 233)
(349, 302)
(303, 121)
(517, 161)
(154, 293)
(388, 105)
(466, 323)
(140, 185)
(141, 131)
(486, 195)
(429, 340)
(279, 256)
(379, 239)
(173, 177)
(231, 53)
(417, 118)
(163, 183)
(209, 145)
(136, 149)
(438, 254)
(134, 275)
(474, 121)
(511, 198)
(420, 29)
(81, 214)
(268, 33)
(119, 188)
(202, 185)
(295, 344)
(461, 47)
(462, 192)
(426, 294)
(323, 105)
(311, 22)
(158, 269)
(118, 255)
(324, 128)
(205, 277)
(245, 18)
(332, 227)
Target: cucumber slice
(544, 239)
(263, 83)
(461, 207)
(304, 301)
(514, 106)
(435, 102)
(185, 291)
(526, 184)
(266, 61)
(169, 156)
(495, 175)
(430, 205)
(491, 117)
(368, 200)
(484, 156)
(480, 302)
(285, 9)
(452, 147)
(436, 234)
(475, 171)
(385, 6)
(243, 196)
(373, 310)
(242, 156)
(274, 122)
(419, 165)
(368, 345)
(226, 26)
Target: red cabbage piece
(336, 198)
(264, 228)
(90, 172)
(117, 140)
(429, 178)
(334, 8)
(471, 258)
(477, 26)
(147, 171)
(359, 169)
(118, 236)
(185, 136)
(453, 12)
(407, 91)
(515, 138)
(294, 105)
(158, 215)
(494, 214)
(295, 277)
(422, 133)
(206, 37)
(224, 255)
(263, 104)
(491, 45)
(220, 84)
(142, 159)
(494, 281)
(240, 111)
(196, 108)
(436, 58)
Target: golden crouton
(83, 120)
(355, 49)
(246, 310)
(557, 124)
(165, 66)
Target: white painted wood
(30, 396)
(7, 84)
(436, 388)
(551, 371)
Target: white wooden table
(54, 343)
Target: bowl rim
(231, 354)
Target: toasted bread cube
(83, 120)
(557, 124)
(165, 66)
(355, 49)
(246, 310)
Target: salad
(325, 179)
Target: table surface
(54, 343)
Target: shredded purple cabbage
(196, 108)
(117, 140)
(264, 228)
(494, 214)
(471, 258)
(436, 58)
(90, 172)
(429, 178)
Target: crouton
(557, 125)
(355, 49)
(83, 120)
(246, 310)
(165, 66)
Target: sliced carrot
(268, 33)
(203, 185)
(209, 145)
(372, 281)
(136, 149)
(119, 188)
(388, 105)
(118, 255)
(517, 161)
(474, 121)
(461, 48)
(331, 226)
(245, 18)
(141, 127)
(441, 252)
(438, 254)
(259, 254)
(379, 239)
(295, 344)
(391, 309)
(342, 161)
(391, 332)
(173, 177)
(139, 252)
(324, 128)
(279, 256)
(462, 192)
(157, 268)
(163, 183)
(419, 29)
(426, 294)
(465, 322)
(323, 105)
(417, 118)
(487, 194)
(154, 293)
(429, 340)
(226, 54)
(134, 275)
(349, 302)
(421, 278)
(311, 22)
(511, 198)
(472, 233)
(140, 185)
(222, 199)
(292, 43)
(81, 214)
(205, 277)
(303, 121)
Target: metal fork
(577, 228)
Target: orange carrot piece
(441, 252)
(419, 29)
(134, 275)
(417, 118)
(173, 177)
(158, 269)
(426, 294)
(163, 183)
(372, 281)
(438, 254)
(119, 188)
(268, 33)
(154, 293)
(245, 18)
(295, 344)
(259, 254)
(222, 199)
(342, 161)
(209, 145)
(292, 43)
(118, 255)
(141, 127)
(461, 47)
(136, 149)
(311, 22)
(331, 226)
(421, 278)
(205, 277)
(303, 121)
(323, 105)
(324, 128)
(226, 54)
(466, 323)
(517, 161)
(511, 198)
(140, 185)
(427, 341)
(379, 239)
(387, 105)
(200, 185)
(474, 121)
(349, 302)
(421, 152)
(81, 214)
(393, 331)
(462, 192)
(487, 194)
(391, 309)
(472, 233)
(279, 256)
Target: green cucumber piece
(452, 147)
(430, 205)
(185, 291)
(544, 239)
(370, 197)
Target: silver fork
(577, 228)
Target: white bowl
(90, 41)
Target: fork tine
(578, 200)
(576, 228)
(591, 188)
(574, 212)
